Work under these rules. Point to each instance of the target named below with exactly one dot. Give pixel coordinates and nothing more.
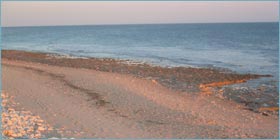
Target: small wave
(60, 56)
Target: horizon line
(119, 24)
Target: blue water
(240, 47)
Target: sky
(95, 13)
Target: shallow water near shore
(238, 47)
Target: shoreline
(129, 67)
(207, 81)
(127, 101)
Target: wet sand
(109, 98)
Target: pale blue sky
(81, 13)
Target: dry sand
(87, 103)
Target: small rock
(19, 135)
(41, 128)
(265, 105)
(9, 123)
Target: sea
(237, 47)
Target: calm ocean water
(241, 47)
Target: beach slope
(86, 103)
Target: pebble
(41, 129)
(265, 105)
(20, 124)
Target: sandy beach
(108, 98)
